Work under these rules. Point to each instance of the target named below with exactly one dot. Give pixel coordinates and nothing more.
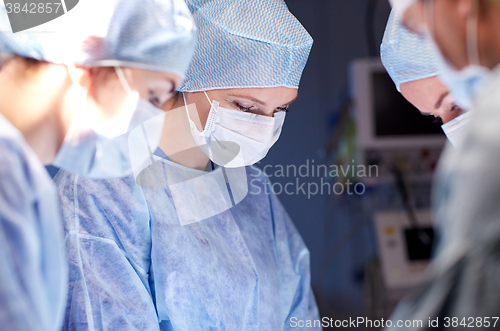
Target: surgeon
(196, 240)
(412, 64)
(464, 279)
(64, 97)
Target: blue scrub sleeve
(31, 260)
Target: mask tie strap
(128, 90)
(210, 143)
(472, 43)
(187, 111)
(429, 16)
(185, 103)
(210, 102)
(74, 77)
(123, 80)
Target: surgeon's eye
(157, 101)
(250, 109)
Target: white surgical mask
(456, 128)
(465, 83)
(233, 138)
(102, 151)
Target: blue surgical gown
(33, 269)
(134, 267)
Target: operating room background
(342, 30)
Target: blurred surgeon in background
(68, 101)
(465, 276)
(412, 64)
(197, 240)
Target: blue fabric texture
(246, 44)
(133, 266)
(33, 268)
(406, 55)
(157, 35)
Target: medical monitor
(384, 117)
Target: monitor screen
(394, 116)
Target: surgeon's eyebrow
(260, 101)
(440, 100)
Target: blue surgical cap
(246, 44)
(157, 35)
(406, 55)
